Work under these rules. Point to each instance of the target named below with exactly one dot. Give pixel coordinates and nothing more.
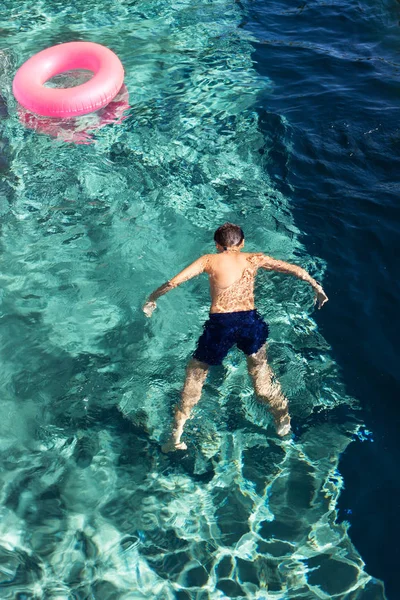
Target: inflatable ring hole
(69, 79)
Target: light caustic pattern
(90, 508)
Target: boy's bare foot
(172, 446)
(283, 426)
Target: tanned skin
(231, 275)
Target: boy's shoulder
(255, 258)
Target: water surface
(90, 507)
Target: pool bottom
(241, 514)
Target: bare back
(232, 276)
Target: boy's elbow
(172, 284)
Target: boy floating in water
(233, 320)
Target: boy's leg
(196, 374)
(268, 391)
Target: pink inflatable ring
(28, 84)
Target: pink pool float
(105, 90)
(28, 84)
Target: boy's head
(229, 236)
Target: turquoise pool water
(90, 508)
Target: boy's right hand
(149, 308)
(320, 297)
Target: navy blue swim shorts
(245, 328)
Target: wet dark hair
(229, 235)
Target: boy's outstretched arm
(283, 267)
(192, 270)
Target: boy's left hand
(149, 308)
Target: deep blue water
(335, 68)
